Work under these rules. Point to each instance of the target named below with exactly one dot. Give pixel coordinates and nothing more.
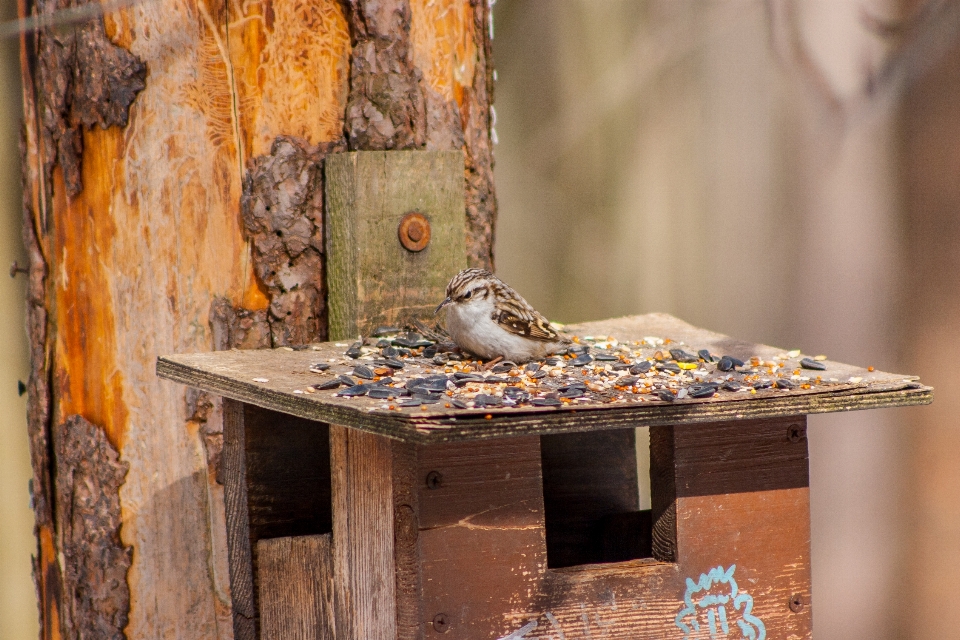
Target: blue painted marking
(710, 595)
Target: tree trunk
(173, 201)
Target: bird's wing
(517, 316)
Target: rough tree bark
(172, 164)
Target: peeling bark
(95, 561)
(386, 107)
(475, 111)
(282, 205)
(85, 80)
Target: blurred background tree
(780, 170)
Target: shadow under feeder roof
(238, 375)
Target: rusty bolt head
(414, 231)
(796, 433)
(440, 623)
(796, 603)
(434, 480)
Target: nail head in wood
(434, 480)
(796, 433)
(414, 231)
(440, 623)
(796, 603)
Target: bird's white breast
(473, 328)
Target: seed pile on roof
(401, 370)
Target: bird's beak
(445, 302)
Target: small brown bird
(486, 317)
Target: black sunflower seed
(783, 383)
(552, 361)
(383, 393)
(668, 366)
(363, 371)
(347, 380)
(533, 367)
(385, 331)
(463, 379)
(573, 392)
(810, 363)
(393, 363)
(545, 402)
(730, 385)
(430, 351)
(383, 344)
(494, 379)
(582, 360)
(682, 356)
(353, 351)
(516, 394)
(539, 375)
(459, 404)
(329, 384)
(627, 381)
(384, 381)
(641, 367)
(763, 384)
(317, 367)
(707, 356)
(426, 398)
(503, 367)
(702, 390)
(726, 364)
(356, 390)
(485, 400)
(606, 357)
(666, 395)
(578, 349)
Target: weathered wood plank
(481, 532)
(234, 374)
(296, 588)
(363, 535)
(238, 528)
(371, 278)
(406, 535)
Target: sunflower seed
(353, 351)
(431, 351)
(702, 390)
(504, 367)
(329, 384)
(553, 361)
(810, 363)
(666, 395)
(606, 357)
(578, 349)
(347, 380)
(627, 381)
(641, 367)
(545, 402)
(682, 356)
(385, 331)
(317, 367)
(356, 390)
(783, 383)
(582, 360)
(383, 344)
(728, 364)
(516, 394)
(668, 366)
(763, 384)
(533, 367)
(539, 375)
(363, 371)
(383, 393)
(730, 385)
(484, 400)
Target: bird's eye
(467, 295)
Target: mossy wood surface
(371, 278)
(234, 374)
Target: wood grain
(406, 536)
(296, 588)
(371, 279)
(759, 535)
(237, 518)
(232, 374)
(364, 576)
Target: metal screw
(796, 603)
(414, 231)
(796, 433)
(434, 480)
(16, 268)
(440, 623)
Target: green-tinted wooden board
(372, 279)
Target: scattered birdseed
(363, 371)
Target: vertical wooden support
(406, 525)
(663, 494)
(300, 603)
(238, 522)
(363, 535)
(371, 278)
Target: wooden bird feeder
(351, 520)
